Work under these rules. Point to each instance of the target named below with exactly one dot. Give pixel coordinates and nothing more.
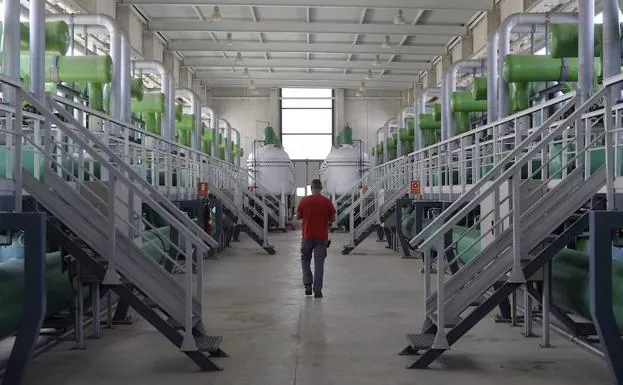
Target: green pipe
(73, 68)
(151, 102)
(479, 88)
(347, 135)
(151, 122)
(534, 68)
(519, 96)
(463, 122)
(184, 128)
(428, 122)
(269, 135)
(179, 112)
(563, 40)
(437, 112)
(136, 88)
(96, 95)
(57, 37)
(462, 101)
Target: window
(307, 122)
(300, 191)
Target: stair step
(421, 341)
(210, 344)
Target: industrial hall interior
(320, 192)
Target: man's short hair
(316, 184)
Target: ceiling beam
(194, 25)
(475, 5)
(260, 83)
(200, 62)
(283, 75)
(293, 47)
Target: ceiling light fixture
(252, 85)
(399, 19)
(369, 76)
(238, 58)
(387, 43)
(228, 40)
(362, 88)
(216, 15)
(245, 73)
(377, 61)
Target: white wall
(246, 113)
(366, 114)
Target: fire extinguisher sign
(202, 189)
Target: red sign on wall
(202, 189)
(415, 188)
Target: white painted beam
(204, 63)
(264, 83)
(283, 75)
(203, 45)
(194, 25)
(476, 5)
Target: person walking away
(317, 213)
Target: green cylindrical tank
(136, 88)
(90, 68)
(179, 111)
(462, 121)
(96, 95)
(563, 40)
(464, 102)
(151, 102)
(206, 141)
(479, 89)
(428, 122)
(519, 96)
(57, 37)
(151, 122)
(437, 112)
(535, 68)
(269, 135)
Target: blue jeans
(317, 248)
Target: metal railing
(174, 169)
(542, 177)
(76, 176)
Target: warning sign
(415, 188)
(202, 189)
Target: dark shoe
(318, 294)
(308, 290)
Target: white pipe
(427, 93)
(461, 66)
(586, 47)
(504, 46)
(11, 46)
(195, 101)
(167, 125)
(37, 48)
(120, 84)
(611, 44)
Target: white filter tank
(271, 167)
(343, 167)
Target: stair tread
(208, 344)
(420, 341)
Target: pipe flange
(564, 69)
(54, 69)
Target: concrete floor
(276, 336)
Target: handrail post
(610, 151)
(441, 342)
(188, 343)
(111, 277)
(351, 223)
(265, 227)
(516, 275)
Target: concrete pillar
(152, 48)
(339, 114)
(185, 78)
(108, 7)
(132, 25)
(275, 114)
(172, 63)
(431, 78)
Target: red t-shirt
(316, 212)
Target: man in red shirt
(317, 212)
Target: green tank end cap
(479, 88)
(437, 111)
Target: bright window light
(302, 121)
(300, 191)
(307, 103)
(313, 147)
(306, 93)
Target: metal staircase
(378, 202)
(520, 222)
(101, 215)
(175, 170)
